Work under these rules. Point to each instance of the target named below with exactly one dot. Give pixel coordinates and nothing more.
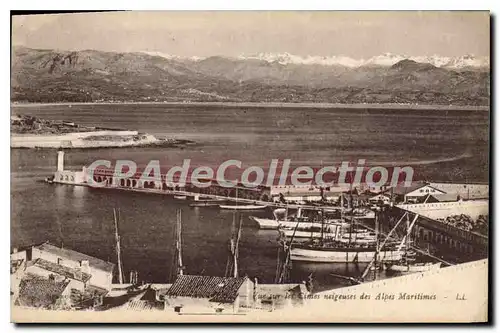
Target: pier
(438, 238)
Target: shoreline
(32, 132)
(389, 106)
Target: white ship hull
(329, 233)
(341, 255)
(264, 223)
(243, 207)
(415, 268)
(307, 234)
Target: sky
(183, 33)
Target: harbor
(53, 202)
(310, 246)
(250, 166)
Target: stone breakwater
(95, 139)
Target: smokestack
(60, 160)
(84, 266)
(78, 274)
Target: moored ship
(334, 253)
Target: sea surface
(441, 145)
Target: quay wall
(465, 191)
(437, 237)
(441, 210)
(61, 141)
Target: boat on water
(265, 223)
(341, 253)
(363, 214)
(413, 268)
(204, 204)
(285, 221)
(361, 238)
(332, 231)
(180, 197)
(243, 207)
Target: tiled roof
(76, 256)
(96, 291)
(15, 264)
(39, 292)
(61, 270)
(217, 289)
(400, 189)
(445, 197)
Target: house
(85, 279)
(38, 292)
(76, 278)
(447, 197)
(209, 294)
(411, 194)
(17, 267)
(381, 198)
(467, 191)
(100, 271)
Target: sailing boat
(232, 263)
(407, 263)
(243, 207)
(337, 252)
(118, 248)
(177, 266)
(288, 224)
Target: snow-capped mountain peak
(386, 59)
(171, 56)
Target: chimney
(78, 275)
(84, 266)
(60, 160)
(256, 298)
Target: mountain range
(96, 76)
(387, 59)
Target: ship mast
(237, 249)
(350, 206)
(118, 249)
(376, 245)
(232, 263)
(180, 269)
(282, 272)
(367, 269)
(407, 240)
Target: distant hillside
(95, 76)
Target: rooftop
(217, 289)
(401, 189)
(61, 270)
(445, 197)
(76, 256)
(39, 292)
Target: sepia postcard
(250, 166)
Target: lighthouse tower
(60, 160)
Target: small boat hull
(244, 207)
(341, 255)
(414, 268)
(264, 223)
(269, 224)
(204, 204)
